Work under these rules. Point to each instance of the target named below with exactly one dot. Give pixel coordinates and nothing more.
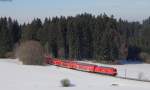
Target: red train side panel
(67, 64)
(81, 66)
(106, 70)
(85, 67)
(56, 62)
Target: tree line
(83, 36)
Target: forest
(84, 36)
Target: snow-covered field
(14, 76)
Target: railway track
(119, 77)
(134, 79)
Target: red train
(82, 66)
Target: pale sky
(26, 10)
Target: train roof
(94, 65)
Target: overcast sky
(26, 10)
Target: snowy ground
(14, 76)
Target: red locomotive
(82, 66)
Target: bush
(10, 55)
(31, 53)
(145, 57)
(65, 83)
(140, 76)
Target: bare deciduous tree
(31, 53)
